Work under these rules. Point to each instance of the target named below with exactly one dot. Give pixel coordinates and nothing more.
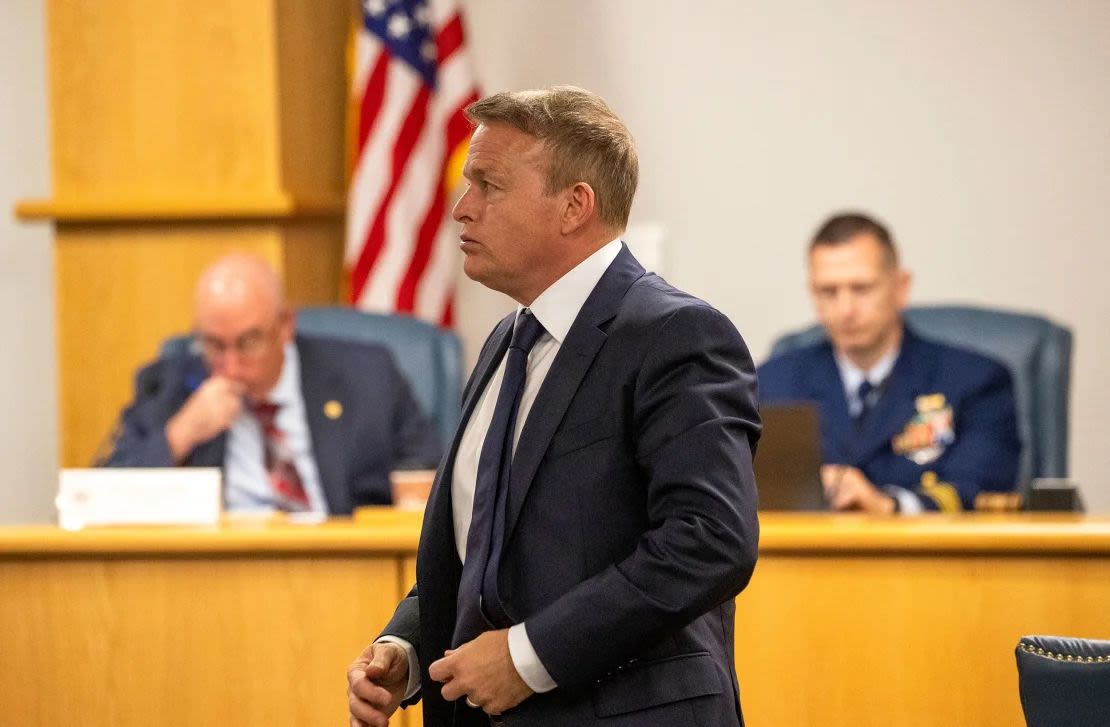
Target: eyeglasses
(250, 345)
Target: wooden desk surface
(935, 533)
(384, 530)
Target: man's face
(510, 227)
(243, 338)
(859, 294)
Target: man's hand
(849, 489)
(482, 671)
(208, 412)
(376, 683)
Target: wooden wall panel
(312, 96)
(192, 641)
(312, 260)
(904, 641)
(163, 98)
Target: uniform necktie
(288, 489)
(867, 393)
(479, 605)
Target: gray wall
(979, 131)
(28, 381)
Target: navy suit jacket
(984, 454)
(380, 428)
(631, 521)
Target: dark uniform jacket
(962, 401)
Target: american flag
(411, 81)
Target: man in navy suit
(907, 424)
(342, 413)
(596, 514)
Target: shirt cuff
(414, 664)
(908, 503)
(527, 662)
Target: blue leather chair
(1064, 681)
(430, 357)
(1038, 354)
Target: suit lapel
(438, 565)
(439, 502)
(483, 371)
(329, 436)
(837, 425)
(573, 360)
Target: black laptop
(788, 458)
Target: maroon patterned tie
(289, 494)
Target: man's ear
(904, 280)
(287, 322)
(578, 207)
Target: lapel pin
(333, 409)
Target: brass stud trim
(1039, 651)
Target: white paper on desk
(138, 496)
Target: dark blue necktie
(865, 392)
(479, 605)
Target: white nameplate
(138, 496)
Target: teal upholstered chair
(1038, 354)
(430, 357)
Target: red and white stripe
(402, 247)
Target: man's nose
(462, 211)
(845, 304)
(232, 364)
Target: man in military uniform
(907, 424)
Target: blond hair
(586, 142)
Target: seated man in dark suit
(298, 423)
(907, 424)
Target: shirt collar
(852, 376)
(558, 306)
(285, 390)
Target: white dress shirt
(555, 309)
(247, 485)
(851, 376)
